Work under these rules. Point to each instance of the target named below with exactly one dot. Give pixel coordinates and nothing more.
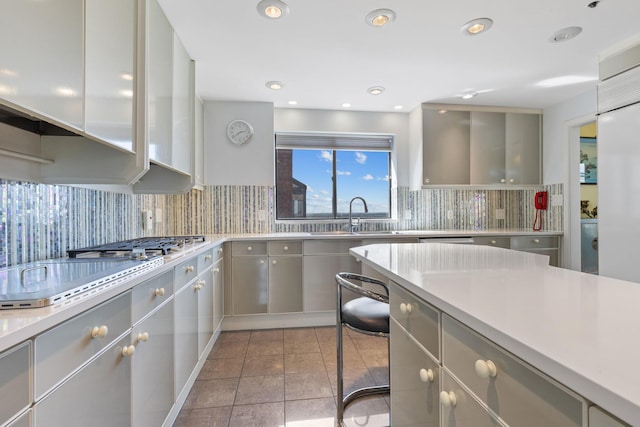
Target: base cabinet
(186, 335)
(24, 420)
(460, 409)
(97, 395)
(15, 377)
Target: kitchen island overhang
(574, 327)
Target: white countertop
(578, 328)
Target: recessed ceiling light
(398, 107)
(468, 95)
(346, 105)
(293, 103)
(565, 81)
(275, 85)
(565, 34)
(375, 90)
(273, 9)
(477, 26)
(380, 17)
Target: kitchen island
(574, 330)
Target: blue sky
(360, 173)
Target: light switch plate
(449, 214)
(158, 216)
(262, 215)
(500, 214)
(147, 220)
(557, 200)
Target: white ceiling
(326, 54)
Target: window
(317, 175)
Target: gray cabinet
(205, 293)
(415, 381)
(480, 147)
(543, 245)
(218, 293)
(15, 381)
(24, 420)
(250, 277)
(600, 418)
(97, 395)
(460, 408)
(285, 276)
(185, 322)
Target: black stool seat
(366, 314)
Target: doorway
(588, 198)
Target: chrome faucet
(353, 227)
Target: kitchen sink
(357, 233)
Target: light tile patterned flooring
(286, 377)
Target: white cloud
(324, 192)
(361, 157)
(385, 178)
(347, 173)
(368, 177)
(326, 155)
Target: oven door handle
(23, 273)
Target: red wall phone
(540, 200)
(540, 203)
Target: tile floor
(286, 377)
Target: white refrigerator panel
(619, 193)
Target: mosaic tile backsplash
(39, 221)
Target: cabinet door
(159, 84)
(22, 421)
(218, 294)
(250, 285)
(42, 57)
(205, 309)
(599, 418)
(522, 149)
(97, 395)
(319, 282)
(15, 381)
(110, 70)
(182, 143)
(466, 412)
(186, 334)
(487, 148)
(152, 373)
(445, 152)
(415, 381)
(285, 284)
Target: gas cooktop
(139, 248)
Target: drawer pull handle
(486, 369)
(99, 331)
(261, 261)
(159, 292)
(448, 399)
(220, 250)
(189, 269)
(216, 270)
(405, 308)
(536, 240)
(208, 257)
(249, 248)
(199, 285)
(426, 375)
(128, 351)
(143, 337)
(286, 248)
(274, 262)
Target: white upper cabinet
(522, 151)
(110, 71)
(159, 84)
(487, 148)
(183, 109)
(41, 65)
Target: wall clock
(239, 131)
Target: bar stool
(367, 314)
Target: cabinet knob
(128, 350)
(426, 375)
(99, 331)
(286, 248)
(405, 308)
(274, 262)
(208, 257)
(189, 269)
(536, 240)
(159, 292)
(249, 248)
(427, 180)
(486, 369)
(220, 251)
(216, 270)
(503, 180)
(493, 242)
(199, 284)
(511, 181)
(448, 399)
(261, 261)
(143, 337)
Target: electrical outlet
(147, 220)
(407, 214)
(500, 214)
(158, 216)
(557, 200)
(262, 215)
(449, 214)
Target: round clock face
(239, 131)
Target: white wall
(228, 164)
(560, 160)
(415, 149)
(291, 120)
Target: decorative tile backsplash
(39, 221)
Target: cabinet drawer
(466, 412)
(248, 248)
(499, 242)
(15, 381)
(285, 247)
(329, 247)
(415, 381)
(61, 350)
(185, 272)
(150, 294)
(533, 242)
(419, 319)
(599, 418)
(517, 394)
(205, 260)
